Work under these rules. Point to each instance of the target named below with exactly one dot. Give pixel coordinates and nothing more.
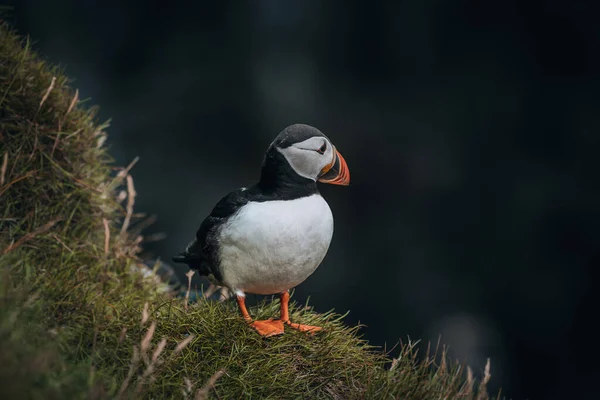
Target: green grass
(78, 321)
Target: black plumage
(278, 181)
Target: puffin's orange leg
(266, 328)
(285, 317)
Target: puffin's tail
(188, 256)
(192, 261)
(183, 258)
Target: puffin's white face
(310, 158)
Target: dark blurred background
(470, 129)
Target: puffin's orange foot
(270, 327)
(304, 328)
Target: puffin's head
(312, 155)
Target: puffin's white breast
(269, 247)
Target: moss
(77, 321)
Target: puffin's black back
(278, 181)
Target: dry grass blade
(48, 91)
(148, 338)
(486, 373)
(29, 236)
(130, 203)
(121, 196)
(394, 364)
(55, 236)
(28, 174)
(443, 364)
(73, 102)
(122, 335)
(189, 275)
(159, 349)
(187, 389)
(225, 293)
(203, 392)
(482, 393)
(145, 314)
(212, 288)
(181, 345)
(61, 122)
(106, 236)
(101, 140)
(3, 170)
(125, 171)
(135, 359)
(470, 380)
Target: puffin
(270, 237)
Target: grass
(78, 321)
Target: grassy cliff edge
(77, 321)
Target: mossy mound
(78, 321)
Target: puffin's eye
(322, 149)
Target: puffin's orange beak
(336, 172)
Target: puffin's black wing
(202, 253)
